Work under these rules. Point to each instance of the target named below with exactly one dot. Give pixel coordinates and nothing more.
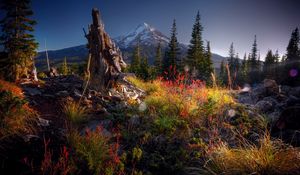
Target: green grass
(75, 113)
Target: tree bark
(106, 60)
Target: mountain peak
(143, 33)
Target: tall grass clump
(268, 157)
(75, 113)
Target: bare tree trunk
(106, 59)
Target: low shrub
(94, 150)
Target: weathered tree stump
(105, 59)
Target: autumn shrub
(16, 117)
(95, 150)
(268, 157)
(63, 165)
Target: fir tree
(158, 61)
(136, 60)
(293, 53)
(64, 67)
(254, 68)
(268, 68)
(172, 59)
(243, 71)
(231, 59)
(196, 56)
(144, 69)
(208, 63)
(17, 39)
(223, 74)
(292, 60)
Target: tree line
(197, 64)
(19, 50)
(251, 69)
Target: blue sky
(224, 21)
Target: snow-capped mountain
(147, 36)
(144, 34)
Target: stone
(289, 118)
(271, 87)
(32, 91)
(134, 120)
(53, 72)
(246, 99)
(264, 106)
(43, 122)
(92, 126)
(62, 94)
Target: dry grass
(269, 157)
(74, 112)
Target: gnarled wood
(106, 59)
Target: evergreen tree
(196, 58)
(231, 59)
(254, 68)
(208, 63)
(292, 61)
(144, 69)
(243, 71)
(293, 47)
(223, 74)
(64, 67)
(269, 64)
(17, 39)
(158, 61)
(136, 60)
(172, 54)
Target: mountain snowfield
(144, 34)
(147, 36)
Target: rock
(134, 121)
(43, 122)
(292, 100)
(271, 87)
(62, 94)
(246, 99)
(295, 92)
(32, 91)
(284, 89)
(92, 126)
(273, 117)
(48, 96)
(289, 118)
(271, 100)
(53, 72)
(264, 106)
(29, 137)
(258, 92)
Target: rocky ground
(49, 96)
(280, 104)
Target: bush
(15, 115)
(96, 152)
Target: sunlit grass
(74, 112)
(179, 99)
(269, 157)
